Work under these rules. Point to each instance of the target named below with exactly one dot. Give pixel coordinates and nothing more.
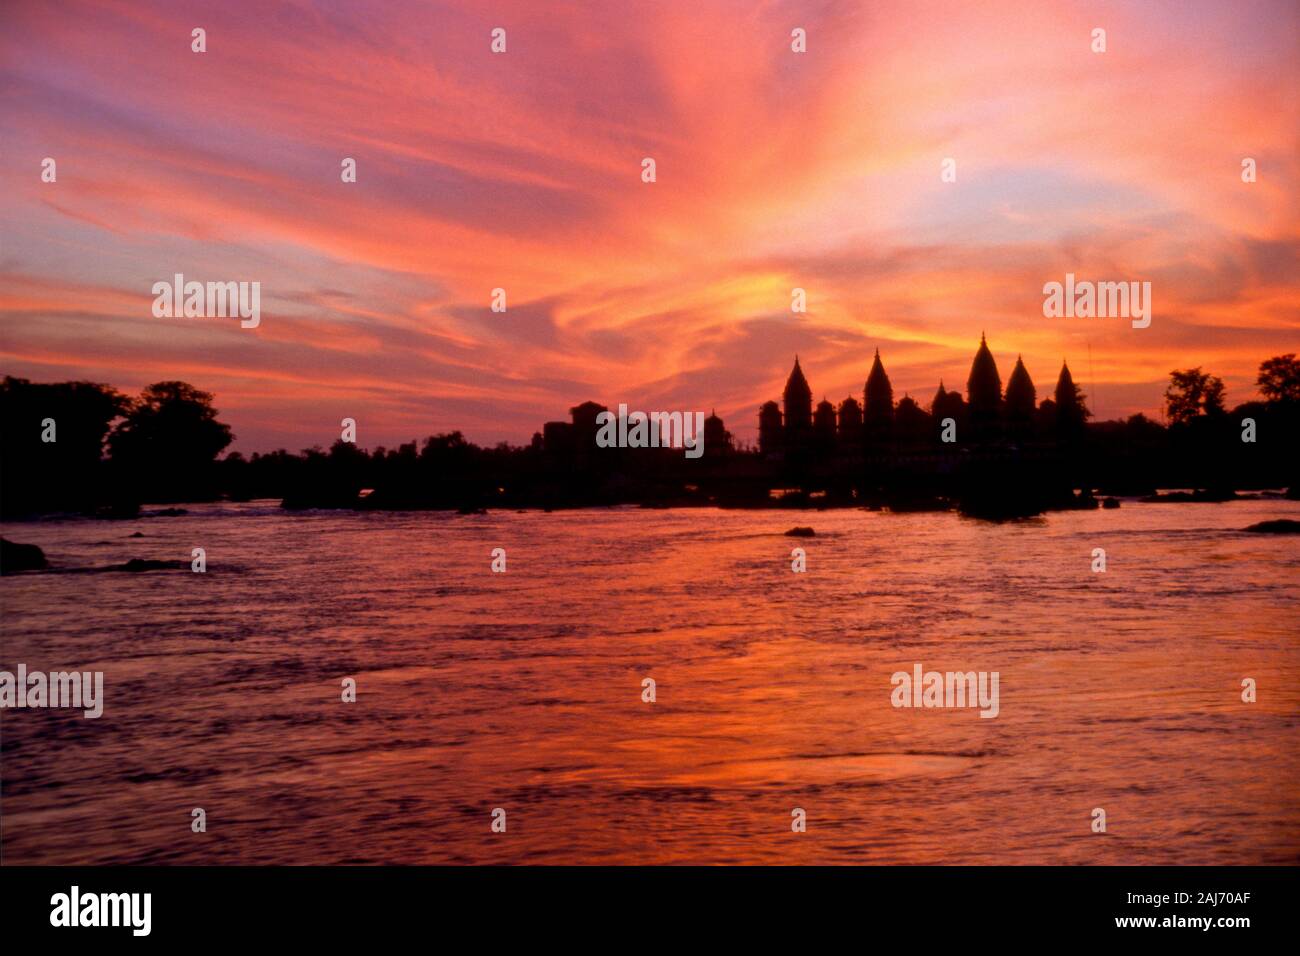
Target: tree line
(87, 448)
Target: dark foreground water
(523, 690)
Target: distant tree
(446, 448)
(1191, 394)
(1139, 426)
(1279, 379)
(51, 443)
(165, 447)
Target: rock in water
(1280, 526)
(16, 557)
(147, 564)
(801, 532)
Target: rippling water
(522, 690)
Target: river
(523, 690)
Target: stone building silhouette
(770, 429)
(717, 440)
(1071, 413)
(878, 403)
(1020, 401)
(797, 405)
(577, 436)
(879, 425)
(824, 428)
(584, 424)
(948, 405)
(801, 435)
(849, 435)
(984, 393)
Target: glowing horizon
(522, 171)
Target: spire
(797, 399)
(1070, 409)
(878, 395)
(1021, 396)
(1064, 382)
(984, 386)
(797, 386)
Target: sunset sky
(522, 171)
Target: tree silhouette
(1279, 379)
(64, 473)
(1192, 393)
(164, 448)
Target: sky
(522, 170)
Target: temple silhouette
(797, 430)
(992, 451)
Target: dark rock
(917, 503)
(997, 506)
(136, 534)
(1200, 496)
(1110, 503)
(144, 564)
(16, 557)
(1279, 526)
(801, 531)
